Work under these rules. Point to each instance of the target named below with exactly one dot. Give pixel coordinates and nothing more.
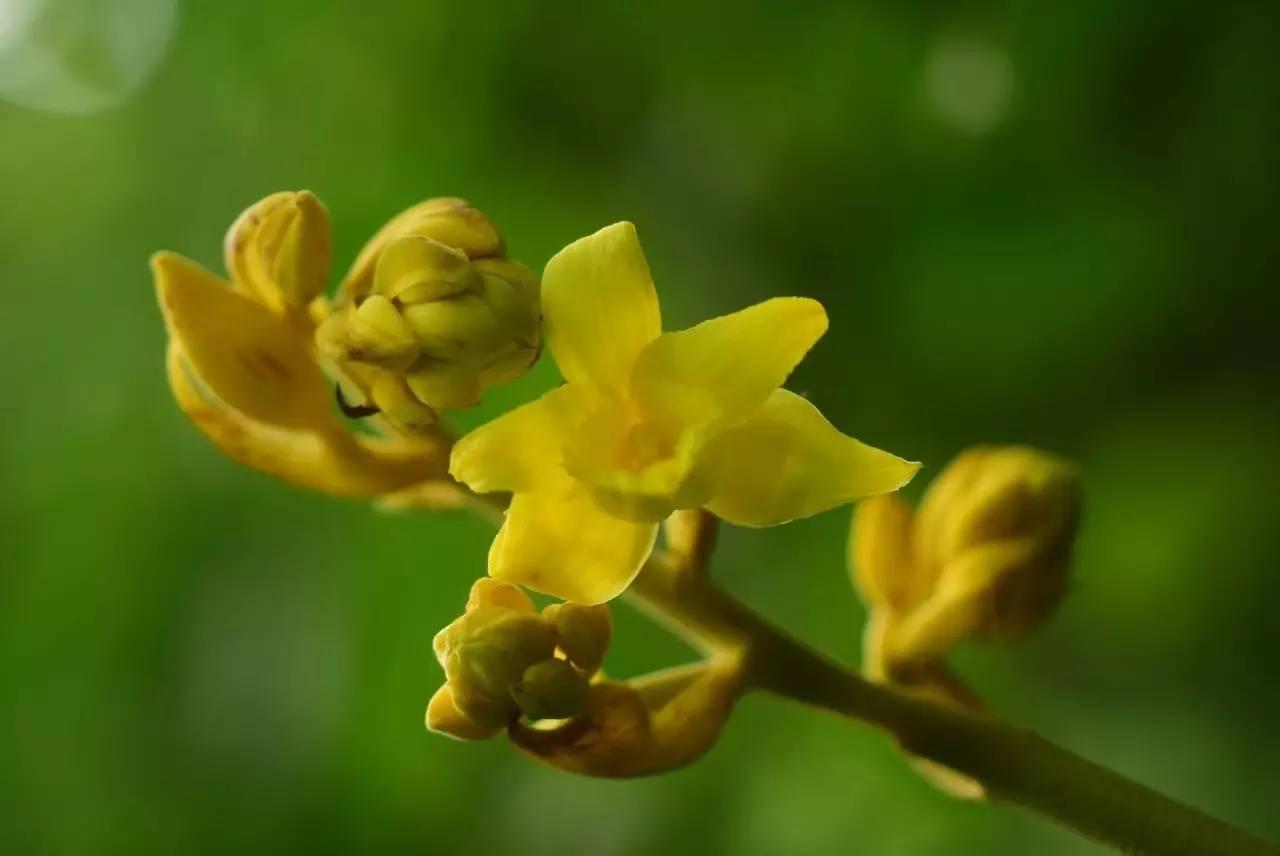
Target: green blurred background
(1044, 225)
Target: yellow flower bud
(551, 689)
(986, 555)
(487, 654)
(449, 221)
(443, 717)
(432, 301)
(279, 249)
(584, 632)
(486, 651)
(998, 526)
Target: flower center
(644, 445)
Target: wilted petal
(787, 462)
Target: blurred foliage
(1052, 226)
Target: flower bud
(986, 555)
(432, 302)
(279, 249)
(652, 724)
(551, 689)
(486, 652)
(449, 221)
(584, 632)
(443, 717)
(998, 526)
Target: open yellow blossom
(651, 422)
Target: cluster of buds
(537, 676)
(985, 557)
(431, 313)
(504, 660)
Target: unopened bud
(999, 529)
(279, 249)
(584, 632)
(986, 555)
(443, 717)
(449, 221)
(486, 651)
(551, 689)
(449, 316)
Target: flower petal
(521, 448)
(787, 462)
(723, 369)
(338, 464)
(558, 542)
(600, 307)
(250, 358)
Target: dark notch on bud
(353, 411)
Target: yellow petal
(880, 555)
(519, 449)
(558, 542)
(787, 462)
(338, 464)
(600, 307)
(248, 357)
(721, 370)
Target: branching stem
(1014, 765)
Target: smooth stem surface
(1015, 765)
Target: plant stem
(1013, 764)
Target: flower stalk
(1015, 765)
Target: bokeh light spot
(80, 56)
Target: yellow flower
(651, 422)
